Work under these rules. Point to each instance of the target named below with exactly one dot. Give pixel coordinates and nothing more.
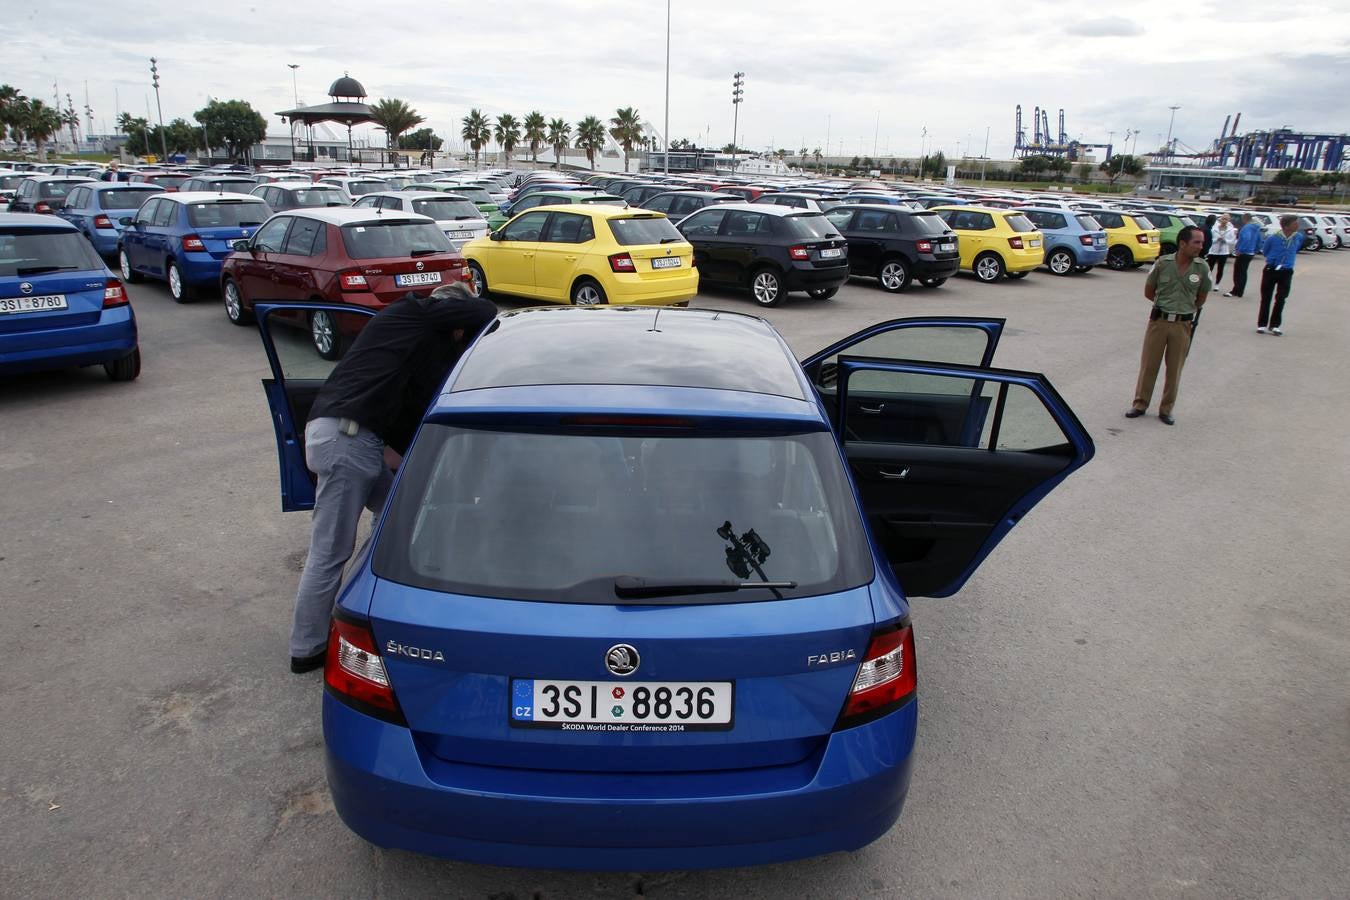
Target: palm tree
(395, 117)
(71, 120)
(802, 154)
(507, 133)
(11, 105)
(40, 122)
(816, 154)
(124, 122)
(559, 133)
(476, 132)
(627, 130)
(591, 137)
(534, 132)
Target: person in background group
(1248, 242)
(1209, 235)
(1223, 240)
(1176, 286)
(359, 427)
(114, 173)
(1280, 251)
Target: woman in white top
(1223, 243)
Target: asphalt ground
(1142, 693)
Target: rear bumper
(636, 290)
(929, 267)
(393, 795)
(105, 241)
(805, 276)
(1024, 260)
(1084, 256)
(200, 268)
(112, 337)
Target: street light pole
(737, 91)
(1172, 119)
(295, 93)
(666, 131)
(984, 159)
(154, 77)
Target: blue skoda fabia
(638, 598)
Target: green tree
(477, 131)
(507, 133)
(71, 120)
(421, 139)
(1060, 166)
(1121, 164)
(817, 154)
(803, 153)
(1085, 172)
(855, 162)
(935, 165)
(559, 133)
(626, 128)
(591, 137)
(536, 132)
(867, 163)
(234, 124)
(39, 122)
(395, 117)
(11, 104)
(1031, 166)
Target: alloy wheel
(324, 335)
(587, 295)
(893, 276)
(233, 308)
(1061, 263)
(175, 282)
(766, 288)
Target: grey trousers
(352, 476)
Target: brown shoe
(1134, 413)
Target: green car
(551, 198)
(1168, 224)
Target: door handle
(887, 473)
(871, 410)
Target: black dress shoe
(1166, 419)
(1134, 413)
(303, 664)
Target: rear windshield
(126, 198)
(929, 223)
(1088, 222)
(172, 181)
(58, 188)
(1019, 222)
(649, 230)
(810, 227)
(498, 514)
(1110, 219)
(394, 239)
(474, 194)
(318, 196)
(34, 252)
(1158, 219)
(606, 200)
(357, 188)
(9, 181)
(1143, 223)
(241, 186)
(226, 213)
(443, 208)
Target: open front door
(948, 458)
(298, 371)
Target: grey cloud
(1111, 26)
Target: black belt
(1170, 317)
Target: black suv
(770, 250)
(678, 204)
(896, 245)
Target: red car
(363, 257)
(751, 193)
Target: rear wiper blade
(425, 252)
(632, 587)
(671, 240)
(38, 270)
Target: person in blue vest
(1280, 251)
(1248, 242)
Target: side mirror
(126, 221)
(495, 236)
(241, 244)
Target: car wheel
(766, 287)
(588, 293)
(324, 332)
(234, 304)
(932, 282)
(478, 279)
(894, 275)
(178, 288)
(129, 275)
(1060, 261)
(822, 293)
(988, 267)
(1119, 258)
(1315, 244)
(126, 368)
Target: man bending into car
(360, 426)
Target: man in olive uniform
(1177, 288)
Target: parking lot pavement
(1142, 693)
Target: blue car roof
(34, 220)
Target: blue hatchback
(183, 238)
(1074, 241)
(97, 209)
(60, 307)
(636, 599)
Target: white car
(354, 186)
(455, 215)
(1331, 232)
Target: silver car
(455, 214)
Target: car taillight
(114, 294)
(622, 262)
(1142, 237)
(923, 246)
(42, 208)
(352, 281)
(354, 671)
(1015, 243)
(885, 680)
(799, 252)
(1085, 240)
(102, 222)
(193, 244)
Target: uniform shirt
(398, 362)
(1249, 239)
(1280, 251)
(1175, 291)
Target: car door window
(875, 222)
(165, 214)
(663, 204)
(365, 203)
(742, 223)
(271, 237)
(300, 241)
(568, 228)
(525, 228)
(78, 199)
(703, 224)
(840, 218)
(146, 214)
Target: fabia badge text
(830, 658)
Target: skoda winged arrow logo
(622, 659)
(419, 266)
(26, 287)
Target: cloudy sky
(860, 75)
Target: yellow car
(1131, 240)
(585, 255)
(994, 242)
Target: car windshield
(318, 196)
(385, 240)
(358, 188)
(814, 226)
(1020, 223)
(126, 198)
(1088, 222)
(227, 213)
(929, 223)
(497, 513)
(644, 230)
(24, 252)
(445, 208)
